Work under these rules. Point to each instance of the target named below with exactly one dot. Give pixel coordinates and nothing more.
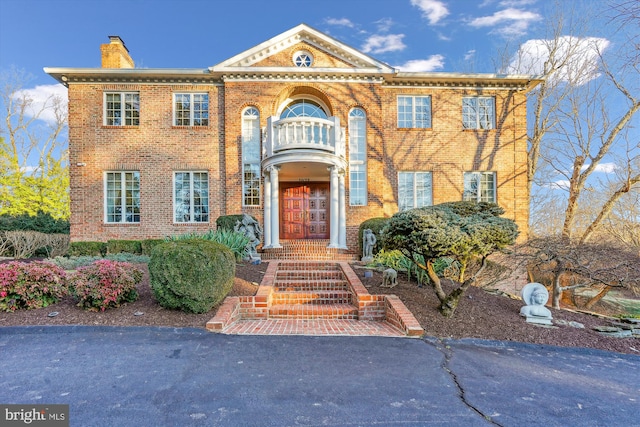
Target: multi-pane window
(357, 157)
(414, 190)
(122, 197)
(302, 59)
(191, 109)
(414, 111)
(478, 113)
(122, 109)
(479, 187)
(191, 197)
(251, 157)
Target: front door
(305, 210)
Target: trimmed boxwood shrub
(376, 225)
(191, 275)
(129, 246)
(148, 245)
(87, 249)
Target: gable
(277, 53)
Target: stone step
(315, 297)
(307, 250)
(313, 311)
(309, 276)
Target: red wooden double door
(305, 210)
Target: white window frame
(417, 200)
(480, 115)
(118, 116)
(192, 206)
(197, 116)
(358, 157)
(251, 163)
(302, 58)
(126, 217)
(404, 109)
(479, 194)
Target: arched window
(251, 157)
(357, 157)
(303, 108)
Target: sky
(410, 35)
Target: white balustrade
(304, 132)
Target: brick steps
(311, 290)
(313, 311)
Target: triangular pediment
(278, 52)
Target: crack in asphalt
(443, 348)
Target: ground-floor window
(251, 184)
(122, 197)
(414, 190)
(479, 187)
(191, 197)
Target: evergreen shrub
(128, 246)
(105, 284)
(148, 245)
(87, 249)
(191, 275)
(228, 222)
(41, 222)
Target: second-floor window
(357, 157)
(191, 109)
(478, 112)
(122, 109)
(414, 111)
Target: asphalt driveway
(189, 377)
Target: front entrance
(304, 210)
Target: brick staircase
(308, 290)
(307, 250)
(314, 298)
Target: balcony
(304, 133)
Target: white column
(342, 222)
(275, 208)
(334, 208)
(267, 210)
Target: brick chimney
(115, 54)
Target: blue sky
(420, 35)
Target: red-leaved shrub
(105, 284)
(30, 285)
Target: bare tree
(33, 150)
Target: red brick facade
(156, 148)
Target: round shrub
(32, 285)
(191, 275)
(105, 284)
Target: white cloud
(579, 58)
(340, 22)
(386, 43)
(434, 62)
(41, 100)
(384, 25)
(509, 22)
(471, 54)
(433, 10)
(603, 167)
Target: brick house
(303, 132)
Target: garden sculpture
(535, 296)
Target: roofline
(62, 74)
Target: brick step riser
(307, 276)
(312, 298)
(328, 311)
(312, 257)
(311, 287)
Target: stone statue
(368, 243)
(250, 228)
(389, 278)
(535, 296)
